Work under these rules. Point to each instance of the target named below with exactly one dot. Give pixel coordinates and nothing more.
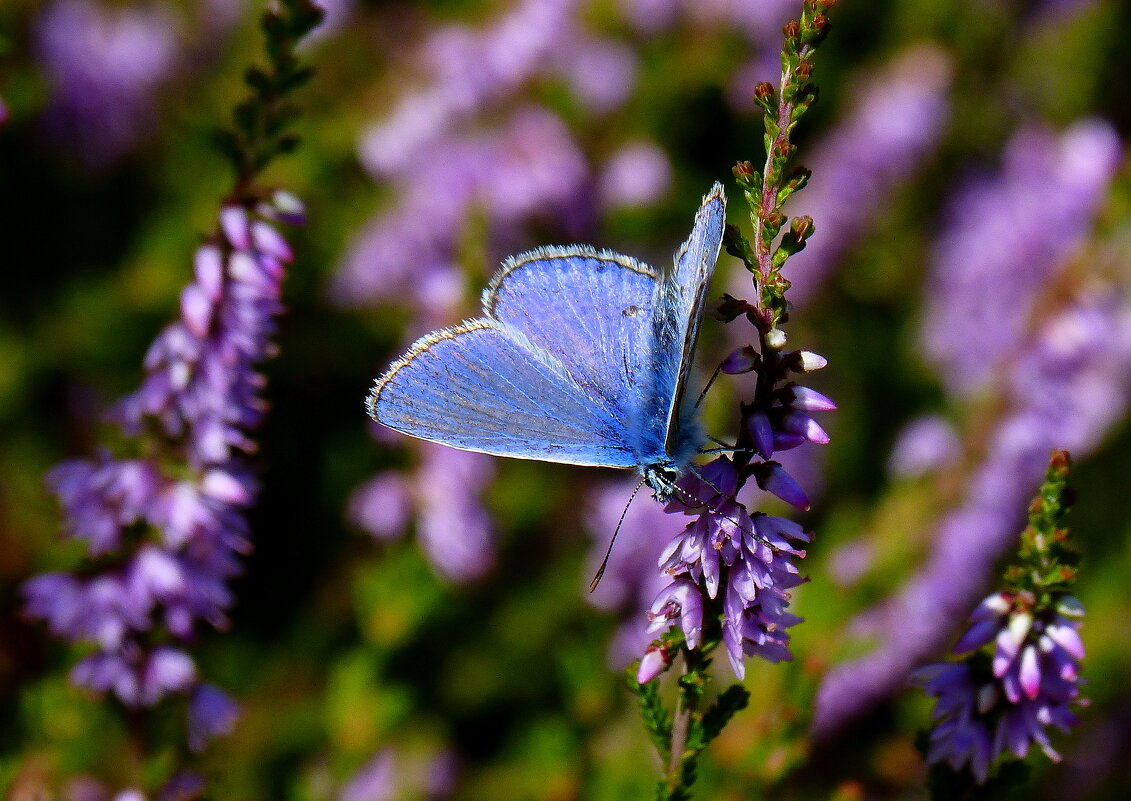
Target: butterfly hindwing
(481, 387)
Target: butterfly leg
(710, 381)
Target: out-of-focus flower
(473, 68)
(529, 167)
(105, 66)
(454, 528)
(374, 782)
(1006, 235)
(637, 174)
(924, 445)
(175, 524)
(1064, 381)
(392, 773)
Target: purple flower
(454, 528)
(105, 67)
(392, 773)
(1064, 384)
(1026, 220)
(526, 168)
(176, 541)
(753, 554)
(472, 69)
(374, 782)
(637, 174)
(1032, 683)
(211, 713)
(924, 445)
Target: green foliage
(1047, 560)
(262, 119)
(657, 718)
(766, 191)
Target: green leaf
(657, 718)
(730, 701)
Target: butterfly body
(582, 357)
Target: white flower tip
(811, 362)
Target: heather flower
(924, 445)
(990, 705)
(525, 168)
(391, 773)
(106, 67)
(749, 556)
(732, 571)
(454, 528)
(1063, 382)
(1028, 218)
(211, 713)
(472, 69)
(637, 174)
(177, 532)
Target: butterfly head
(662, 478)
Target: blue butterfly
(582, 356)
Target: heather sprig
(991, 705)
(262, 121)
(164, 523)
(730, 570)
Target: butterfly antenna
(605, 562)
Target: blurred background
(414, 621)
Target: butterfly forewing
(687, 288)
(593, 313)
(483, 388)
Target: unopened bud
(811, 362)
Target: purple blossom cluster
(451, 523)
(1032, 683)
(167, 529)
(630, 580)
(105, 67)
(749, 557)
(521, 162)
(1028, 219)
(1063, 381)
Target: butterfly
(582, 356)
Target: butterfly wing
(481, 386)
(684, 292)
(581, 358)
(593, 312)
